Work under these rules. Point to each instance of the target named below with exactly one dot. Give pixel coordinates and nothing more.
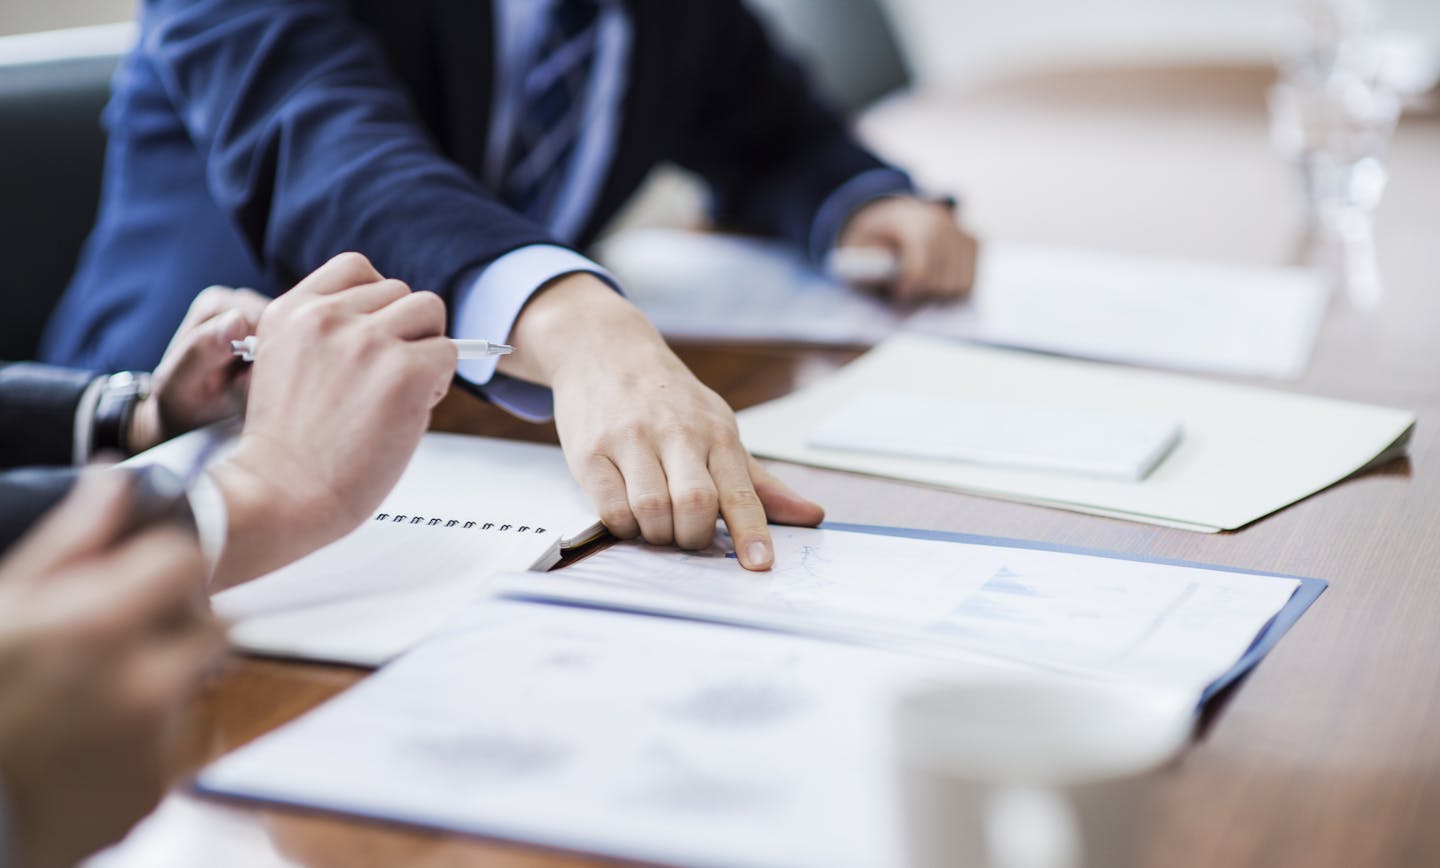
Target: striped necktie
(551, 108)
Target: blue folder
(1307, 593)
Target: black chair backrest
(51, 155)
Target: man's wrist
(145, 428)
(574, 320)
(268, 523)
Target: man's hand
(103, 637)
(199, 380)
(348, 368)
(657, 451)
(937, 257)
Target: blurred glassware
(1332, 116)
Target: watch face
(131, 382)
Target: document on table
(1177, 628)
(466, 508)
(641, 738)
(1245, 452)
(1185, 315)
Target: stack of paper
(679, 742)
(1245, 452)
(1195, 316)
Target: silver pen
(467, 349)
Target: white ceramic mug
(1031, 772)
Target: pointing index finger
(741, 508)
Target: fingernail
(757, 554)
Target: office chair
(51, 155)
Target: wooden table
(1329, 753)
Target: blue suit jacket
(251, 140)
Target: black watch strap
(115, 408)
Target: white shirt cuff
(212, 520)
(846, 200)
(487, 305)
(83, 438)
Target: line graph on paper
(1051, 609)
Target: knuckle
(432, 307)
(396, 287)
(657, 536)
(728, 437)
(743, 498)
(211, 300)
(679, 431)
(351, 265)
(698, 501)
(617, 517)
(651, 504)
(627, 432)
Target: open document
(1182, 628)
(1208, 317)
(643, 738)
(1244, 452)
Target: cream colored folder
(1245, 452)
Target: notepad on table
(1036, 436)
(465, 508)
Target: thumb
(783, 505)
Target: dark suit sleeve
(37, 413)
(26, 495)
(771, 149)
(313, 148)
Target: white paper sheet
(644, 738)
(1172, 627)
(1185, 315)
(1041, 437)
(1246, 452)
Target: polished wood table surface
(1328, 754)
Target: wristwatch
(119, 396)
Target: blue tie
(551, 107)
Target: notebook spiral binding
(405, 518)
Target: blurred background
(1152, 126)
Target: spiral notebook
(465, 509)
